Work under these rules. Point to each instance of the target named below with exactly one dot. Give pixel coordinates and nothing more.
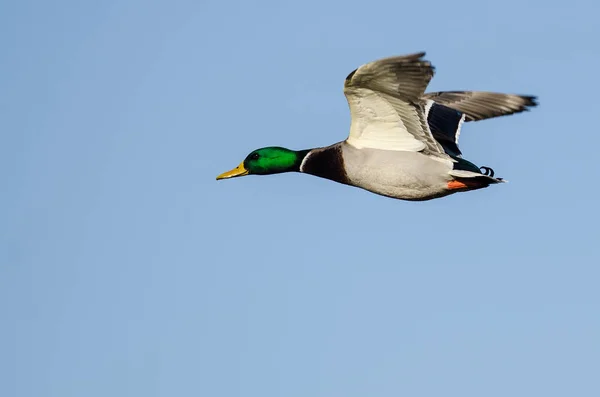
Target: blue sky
(126, 269)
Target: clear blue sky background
(127, 270)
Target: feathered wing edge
(481, 105)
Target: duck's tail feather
(475, 180)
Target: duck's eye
(254, 156)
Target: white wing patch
(377, 125)
(460, 123)
(428, 104)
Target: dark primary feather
(480, 105)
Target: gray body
(411, 176)
(401, 175)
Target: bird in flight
(403, 142)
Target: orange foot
(453, 185)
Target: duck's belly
(401, 175)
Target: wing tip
(349, 77)
(531, 101)
(410, 58)
(417, 55)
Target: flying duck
(403, 142)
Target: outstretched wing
(386, 105)
(480, 105)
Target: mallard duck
(403, 142)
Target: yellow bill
(237, 171)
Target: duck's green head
(266, 161)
